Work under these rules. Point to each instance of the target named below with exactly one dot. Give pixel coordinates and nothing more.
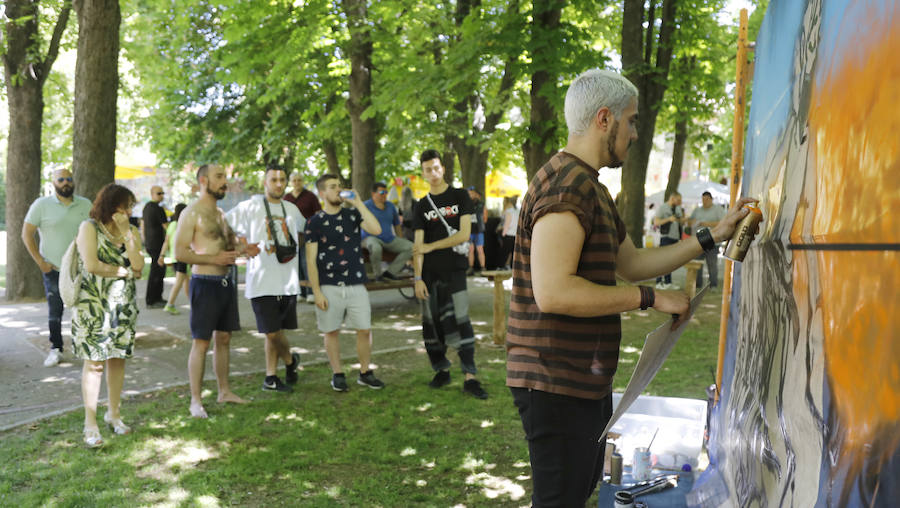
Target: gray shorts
(346, 304)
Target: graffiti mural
(810, 409)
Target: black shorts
(213, 305)
(180, 267)
(274, 313)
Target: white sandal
(92, 438)
(117, 426)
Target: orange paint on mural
(854, 126)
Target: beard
(64, 190)
(218, 194)
(274, 195)
(614, 160)
(335, 202)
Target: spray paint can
(624, 499)
(743, 234)
(615, 468)
(640, 466)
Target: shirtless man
(205, 240)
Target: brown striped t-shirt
(553, 352)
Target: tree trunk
(331, 157)
(472, 165)
(25, 74)
(650, 78)
(23, 183)
(448, 158)
(96, 91)
(362, 130)
(681, 136)
(540, 143)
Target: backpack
(70, 275)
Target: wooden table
(499, 329)
(690, 280)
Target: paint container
(743, 234)
(615, 468)
(640, 466)
(624, 499)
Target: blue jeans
(55, 303)
(662, 243)
(301, 271)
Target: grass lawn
(406, 445)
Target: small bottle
(615, 468)
(743, 234)
(347, 194)
(624, 499)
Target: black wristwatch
(706, 240)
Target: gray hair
(594, 89)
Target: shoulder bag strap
(270, 221)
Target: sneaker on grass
(339, 383)
(442, 378)
(473, 387)
(290, 371)
(369, 379)
(274, 384)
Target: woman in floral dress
(105, 313)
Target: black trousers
(157, 274)
(563, 436)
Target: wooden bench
(406, 286)
(499, 328)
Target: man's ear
(603, 120)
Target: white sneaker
(310, 299)
(660, 285)
(52, 358)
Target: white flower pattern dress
(105, 314)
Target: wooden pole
(737, 160)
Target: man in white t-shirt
(273, 282)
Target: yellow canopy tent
(415, 182)
(499, 185)
(132, 172)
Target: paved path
(31, 391)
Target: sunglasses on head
(65, 179)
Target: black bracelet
(648, 297)
(706, 240)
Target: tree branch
(53, 50)
(663, 51)
(648, 35)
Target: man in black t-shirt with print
(441, 275)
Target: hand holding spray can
(743, 234)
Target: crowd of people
(295, 247)
(562, 345)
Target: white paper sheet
(657, 346)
